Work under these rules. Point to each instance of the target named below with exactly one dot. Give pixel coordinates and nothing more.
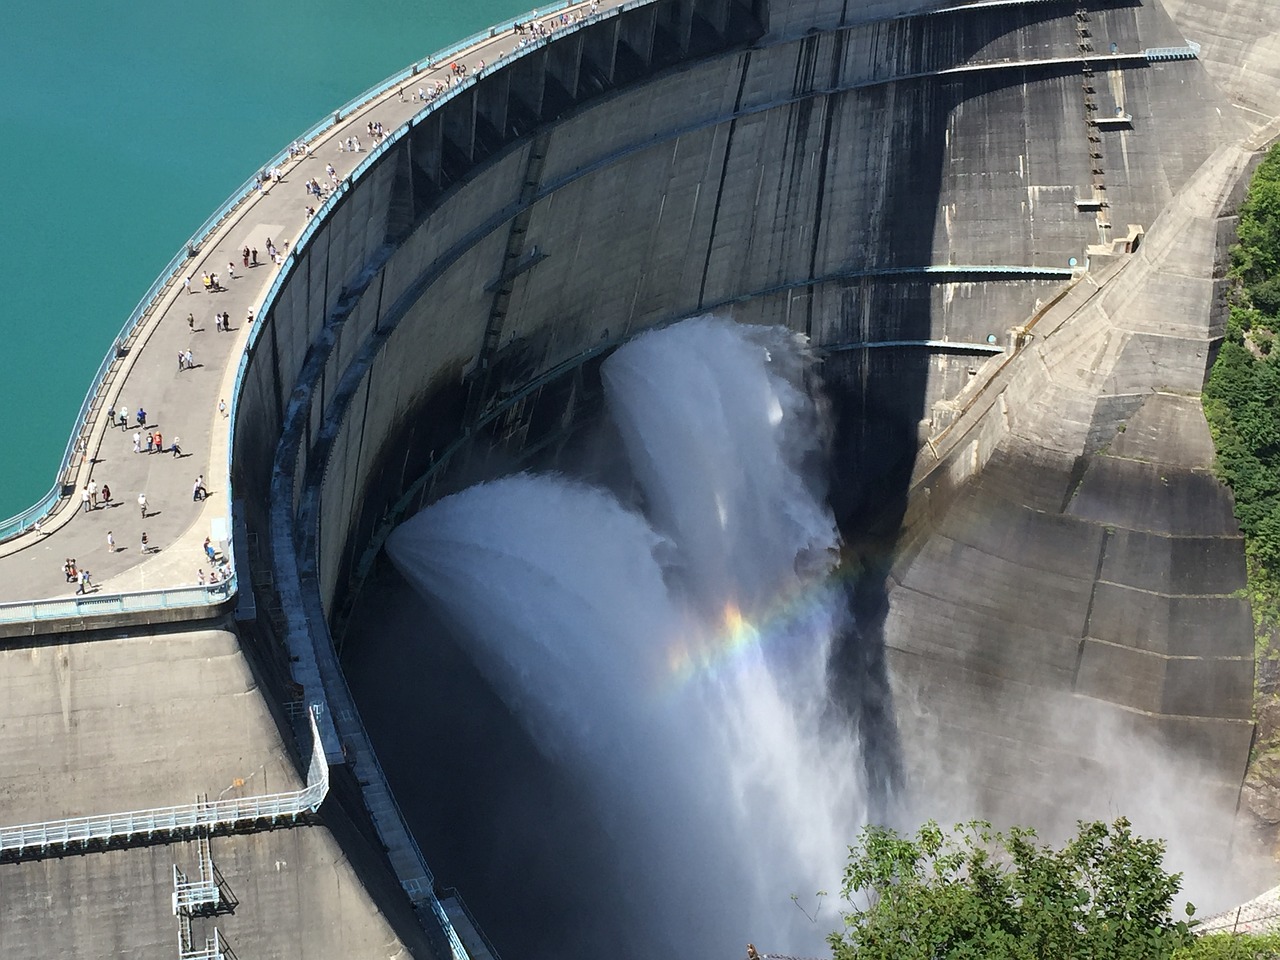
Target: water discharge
(674, 650)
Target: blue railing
(23, 521)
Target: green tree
(977, 894)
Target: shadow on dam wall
(515, 833)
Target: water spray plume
(674, 651)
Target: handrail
(204, 815)
(92, 604)
(22, 521)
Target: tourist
(124, 417)
(93, 494)
(111, 542)
(207, 281)
(177, 450)
(69, 569)
(142, 417)
(222, 406)
(146, 547)
(151, 442)
(245, 256)
(198, 491)
(84, 499)
(210, 551)
(254, 255)
(83, 586)
(137, 441)
(106, 495)
(200, 578)
(188, 360)
(159, 442)
(187, 282)
(179, 361)
(191, 322)
(142, 508)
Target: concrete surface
(515, 231)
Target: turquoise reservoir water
(122, 127)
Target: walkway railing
(1190, 52)
(93, 604)
(162, 822)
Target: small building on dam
(1001, 227)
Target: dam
(1001, 226)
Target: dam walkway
(147, 547)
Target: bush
(977, 894)
(1228, 946)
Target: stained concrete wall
(745, 181)
(779, 182)
(116, 723)
(1240, 46)
(297, 896)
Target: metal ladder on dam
(514, 262)
(1097, 199)
(204, 896)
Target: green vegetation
(978, 894)
(974, 893)
(1226, 946)
(1242, 397)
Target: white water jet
(677, 659)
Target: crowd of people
(146, 437)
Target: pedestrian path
(188, 403)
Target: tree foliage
(1230, 946)
(1242, 396)
(977, 894)
(1256, 260)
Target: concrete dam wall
(864, 177)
